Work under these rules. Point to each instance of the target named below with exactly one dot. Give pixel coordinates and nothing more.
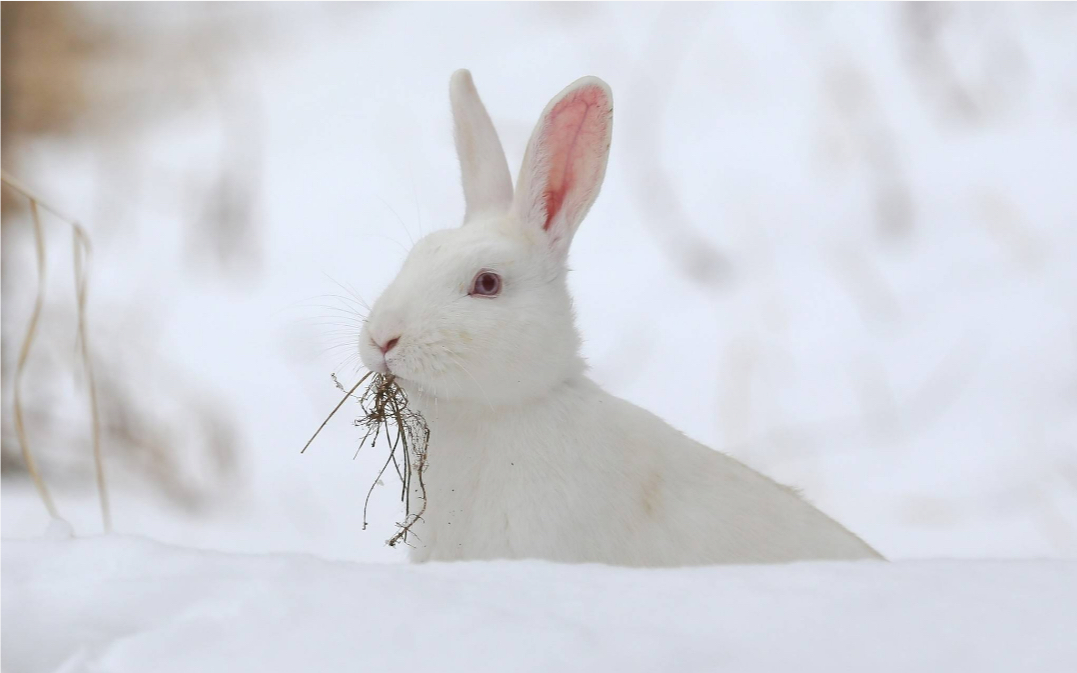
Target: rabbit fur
(529, 458)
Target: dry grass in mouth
(385, 412)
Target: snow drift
(130, 604)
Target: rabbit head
(482, 312)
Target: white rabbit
(528, 458)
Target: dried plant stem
(370, 491)
(81, 249)
(25, 191)
(24, 354)
(410, 519)
(384, 404)
(82, 252)
(335, 410)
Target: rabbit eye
(486, 284)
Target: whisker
(348, 343)
(338, 309)
(318, 297)
(330, 349)
(343, 331)
(351, 360)
(333, 316)
(337, 325)
(355, 293)
(307, 304)
(394, 242)
(352, 291)
(331, 320)
(398, 219)
(351, 302)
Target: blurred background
(838, 242)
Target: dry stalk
(384, 406)
(81, 244)
(81, 250)
(336, 408)
(20, 366)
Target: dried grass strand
(82, 256)
(377, 480)
(81, 251)
(20, 366)
(384, 404)
(19, 187)
(409, 518)
(335, 409)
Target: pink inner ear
(574, 140)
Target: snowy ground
(127, 604)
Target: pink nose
(388, 346)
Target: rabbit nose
(388, 345)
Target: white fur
(483, 168)
(529, 458)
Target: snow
(122, 603)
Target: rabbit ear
(484, 171)
(566, 161)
